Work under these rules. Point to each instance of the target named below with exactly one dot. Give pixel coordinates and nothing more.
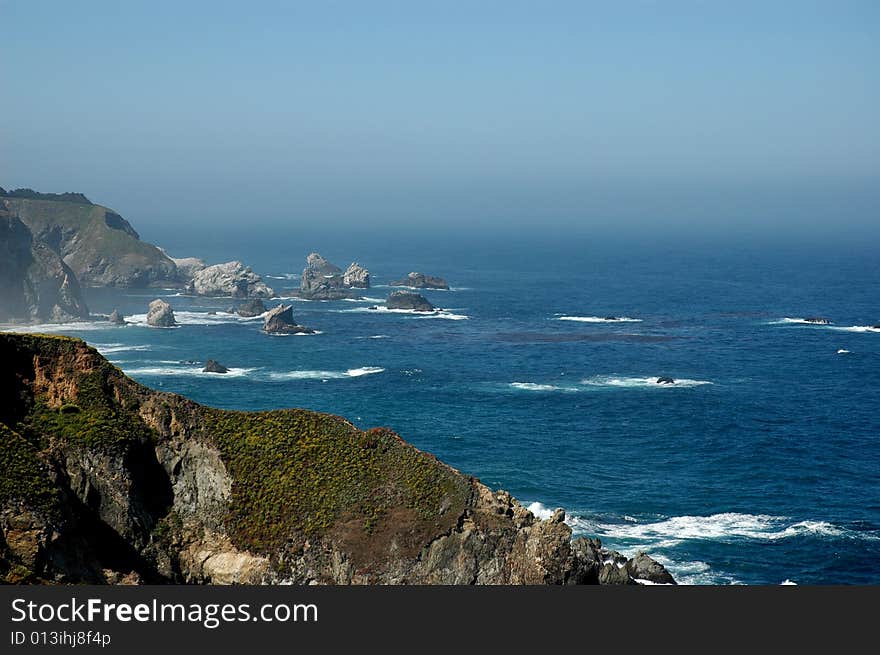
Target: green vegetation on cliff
(295, 473)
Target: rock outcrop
(279, 320)
(107, 481)
(251, 308)
(230, 279)
(100, 247)
(116, 318)
(356, 276)
(421, 281)
(408, 300)
(187, 267)
(322, 280)
(213, 366)
(818, 320)
(35, 283)
(664, 379)
(160, 314)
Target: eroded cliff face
(107, 481)
(35, 284)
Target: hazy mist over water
(752, 122)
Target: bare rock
(229, 279)
(408, 300)
(356, 276)
(160, 314)
(280, 321)
(418, 280)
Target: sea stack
(160, 314)
(408, 300)
(418, 280)
(322, 280)
(280, 321)
(116, 318)
(213, 366)
(356, 276)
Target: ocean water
(760, 465)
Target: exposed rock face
(229, 279)
(187, 267)
(356, 276)
(160, 314)
(101, 247)
(407, 300)
(665, 380)
(142, 486)
(251, 308)
(212, 366)
(116, 318)
(818, 320)
(642, 567)
(35, 284)
(421, 281)
(319, 264)
(322, 280)
(280, 321)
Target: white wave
(285, 276)
(842, 351)
(796, 321)
(108, 348)
(72, 326)
(725, 526)
(788, 582)
(540, 510)
(295, 334)
(326, 375)
(364, 299)
(641, 383)
(437, 313)
(599, 319)
(198, 318)
(375, 336)
(532, 386)
(857, 328)
(189, 371)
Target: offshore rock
(229, 279)
(322, 280)
(408, 300)
(280, 321)
(356, 276)
(213, 366)
(421, 281)
(160, 314)
(116, 318)
(251, 308)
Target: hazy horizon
(654, 120)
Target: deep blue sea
(760, 465)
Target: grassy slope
(296, 474)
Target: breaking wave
(640, 383)
(326, 375)
(532, 386)
(599, 319)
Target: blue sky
(634, 115)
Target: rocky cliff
(107, 481)
(100, 246)
(35, 284)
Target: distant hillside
(36, 195)
(100, 246)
